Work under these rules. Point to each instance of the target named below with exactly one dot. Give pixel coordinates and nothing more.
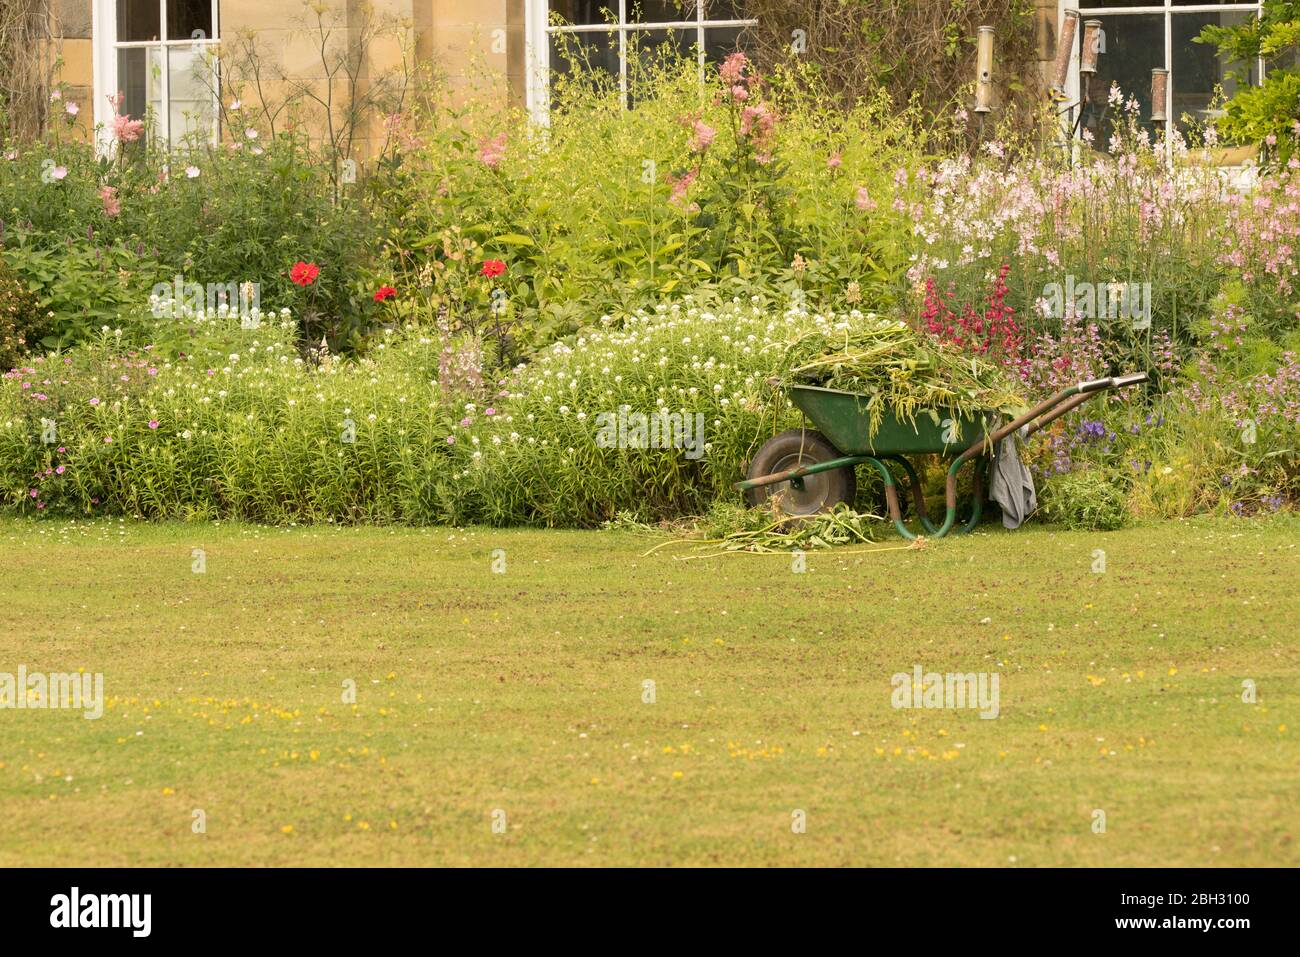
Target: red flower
(492, 268)
(385, 292)
(304, 274)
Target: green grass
(522, 692)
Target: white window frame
(538, 32)
(104, 66)
(1073, 88)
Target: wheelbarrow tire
(820, 493)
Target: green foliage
(93, 242)
(693, 189)
(1089, 500)
(239, 427)
(82, 287)
(21, 318)
(1266, 114)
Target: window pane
(660, 11)
(138, 19)
(186, 16)
(720, 41)
(579, 12)
(1198, 69)
(191, 92)
(584, 51)
(1132, 47)
(725, 10)
(139, 78)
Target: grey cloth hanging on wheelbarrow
(1013, 484)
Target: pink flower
(732, 70)
(126, 129)
(192, 172)
(739, 94)
(108, 196)
(72, 109)
(108, 440)
(466, 422)
(680, 184)
(59, 172)
(153, 423)
(94, 401)
(701, 136)
(863, 200)
(489, 411)
(60, 470)
(451, 440)
(492, 151)
(758, 123)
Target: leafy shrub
(95, 241)
(1262, 114)
(239, 426)
(20, 317)
(714, 188)
(536, 455)
(1088, 500)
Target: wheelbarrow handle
(1052, 409)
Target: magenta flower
(94, 401)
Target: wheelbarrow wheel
(819, 493)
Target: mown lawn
(522, 692)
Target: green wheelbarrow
(813, 471)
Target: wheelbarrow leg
(891, 498)
(977, 510)
(977, 506)
(918, 497)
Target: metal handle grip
(1094, 385)
(1133, 378)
